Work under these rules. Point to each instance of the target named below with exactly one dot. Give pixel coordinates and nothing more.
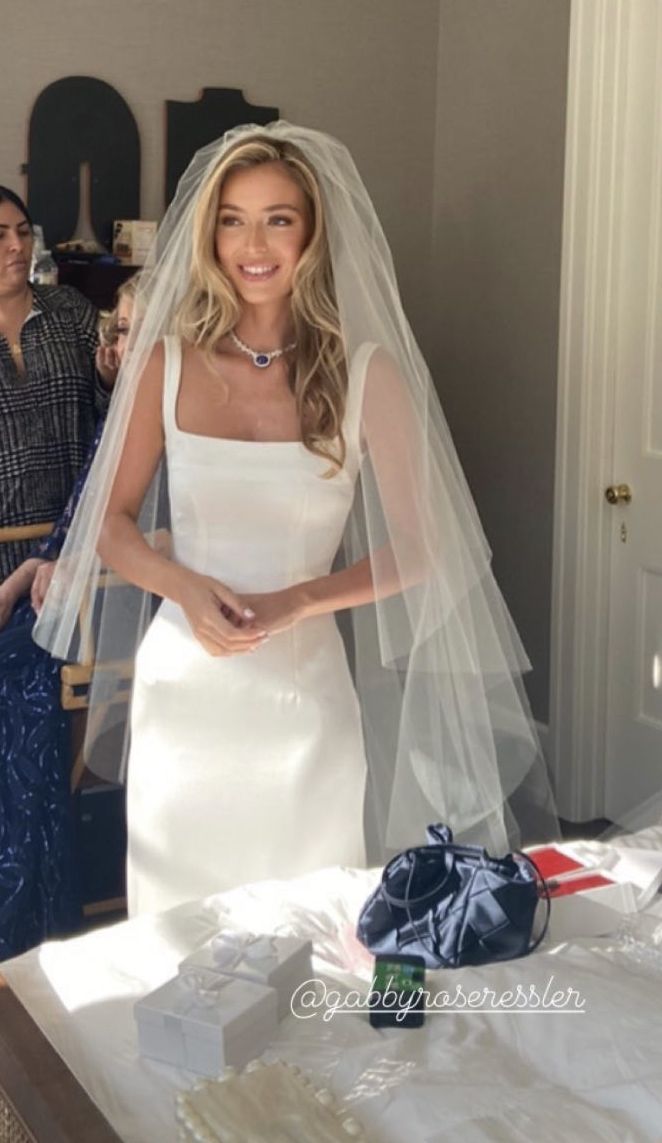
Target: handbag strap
(451, 850)
(542, 884)
(423, 938)
(406, 901)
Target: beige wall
(334, 64)
(497, 259)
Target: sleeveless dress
(251, 766)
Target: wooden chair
(17, 533)
(75, 696)
(75, 679)
(13, 534)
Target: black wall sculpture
(74, 121)
(192, 125)
(81, 120)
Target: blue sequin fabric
(38, 896)
(38, 885)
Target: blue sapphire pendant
(261, 360)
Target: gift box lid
(275, 960)
(205, 1004)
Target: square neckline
(173, 364)
(357, 370)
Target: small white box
(583, 912)
(282, 963)
(133, 239)
(204, 1022)
(591, 912)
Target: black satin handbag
(454, 905)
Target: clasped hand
(229, 624)
(33, 576)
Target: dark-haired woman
(53, 387)
(51, 390)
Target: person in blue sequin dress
(38, 885)
(38, 895)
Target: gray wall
(454, 111)
(337, 66)
(497, 258)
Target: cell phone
(397, 996)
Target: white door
(634, 682)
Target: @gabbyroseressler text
(314, 997)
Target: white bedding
(466, 1077)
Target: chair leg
(78, 719)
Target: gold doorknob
(618, 494)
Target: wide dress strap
(171, 378)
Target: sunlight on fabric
(78, 979)
(88, 975)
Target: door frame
(592, 235)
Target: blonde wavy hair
(108, 319)
(210, 307)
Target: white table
(466, 1077)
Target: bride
(309, 471)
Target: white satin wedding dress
(251, 766)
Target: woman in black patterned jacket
(54, 385)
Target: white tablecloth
(466, 1077)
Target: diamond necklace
(261, 360)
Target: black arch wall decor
(77, 120)
(192, 125)
(81, 120)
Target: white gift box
(282, 963)
(204, 1022)
(591, 912)
(586, 911)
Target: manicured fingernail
(248, 613)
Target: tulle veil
(437, 663)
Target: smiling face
(262, 230)
(15, 249)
